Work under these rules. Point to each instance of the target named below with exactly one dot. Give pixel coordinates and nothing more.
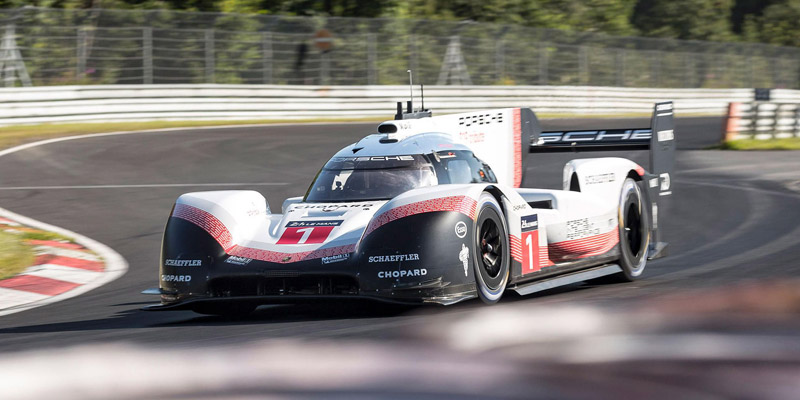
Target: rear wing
(661, 146)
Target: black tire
(491, 258)
(634, 232)
(225, 310)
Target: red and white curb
(60, 271)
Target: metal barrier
(762, 120)
(275, 102)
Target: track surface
(734, 218)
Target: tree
(779, 24)
(684, 19)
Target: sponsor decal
(529, 225)
(463, 256)
(336, 258)
(303, 224)
(481, 119)
(330, 207)
(580, 228)
(236, 260)
(403, 273)
(519, 207)
(374, 158)
(461, 229)
(472, 137)
(665, 135)
(394, 258)
(176, 278)
(601, 178)
(182, 263)
(618, 135)
(665, 183)
(307, 232)
(664, 107)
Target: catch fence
(87, 47)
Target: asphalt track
(733, 219)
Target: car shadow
(135, 318)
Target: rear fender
(601, 177)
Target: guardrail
(763, 120)
(278, 102)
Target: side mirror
(288, 202)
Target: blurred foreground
(735, 342)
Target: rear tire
(490, 250)
(634, 232)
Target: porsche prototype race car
(426, 210)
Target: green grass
(15, 256)
(42, 235)
(769, 144)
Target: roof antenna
(422, 95)
(410, 113)
(410, 91)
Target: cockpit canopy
(361, 178)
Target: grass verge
(770, 144)
(15, 256)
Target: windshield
(370, 178)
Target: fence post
(500, 61)
(147, 55)
(543, 63)
(412, 56)
(210, 68)
(324, 71)
(80, 66)
(583, 65)
(266, 49)
(372, 70)
(655, 62)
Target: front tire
(634, 232)
(490, 250)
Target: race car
(426, 210)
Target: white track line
(145, 185)
(62, 273)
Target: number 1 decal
(530, 236)
(307, 232)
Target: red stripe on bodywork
(222, 235)
(464, 204)
(207, 221)
(70, 262)
(516, 247)
(38, 284)
(517, 120)
(584, 247)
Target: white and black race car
(426, 210)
